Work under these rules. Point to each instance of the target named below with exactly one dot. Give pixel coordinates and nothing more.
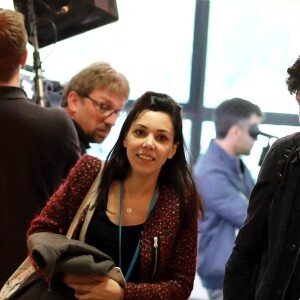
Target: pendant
(129, 210)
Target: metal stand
(38, 79)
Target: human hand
(94, 287)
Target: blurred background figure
(94, 98)
(225, 184)
(39, 146)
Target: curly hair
(293, 80)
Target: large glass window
(251, 43)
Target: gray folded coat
(54, 253)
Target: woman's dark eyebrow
(159, 130)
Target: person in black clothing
(93, 99)
(38, 147)
(264, 264)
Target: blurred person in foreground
(39, 147)
(151, 217)
(225, 184)
(264, 264)
(94, 98)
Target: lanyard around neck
(137, 250)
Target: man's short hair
(99, 75)
(232, 112)
(293, 80)
(13, 40)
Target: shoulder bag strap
(89, 199)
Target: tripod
(38, 79)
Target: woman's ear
(124, 143)
(173, 150)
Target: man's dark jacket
(38, 148)
(267, 247)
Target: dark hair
(117, 165)
(231, 112)
(293, 80)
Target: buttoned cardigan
(174, 275)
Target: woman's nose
(149, 143)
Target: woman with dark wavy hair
(147, 210)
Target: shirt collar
(231, 161)
(12, 93)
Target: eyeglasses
(104, 109)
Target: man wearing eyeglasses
(94, 98)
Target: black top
(104, 235)
(83, 139)
(38, 147)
